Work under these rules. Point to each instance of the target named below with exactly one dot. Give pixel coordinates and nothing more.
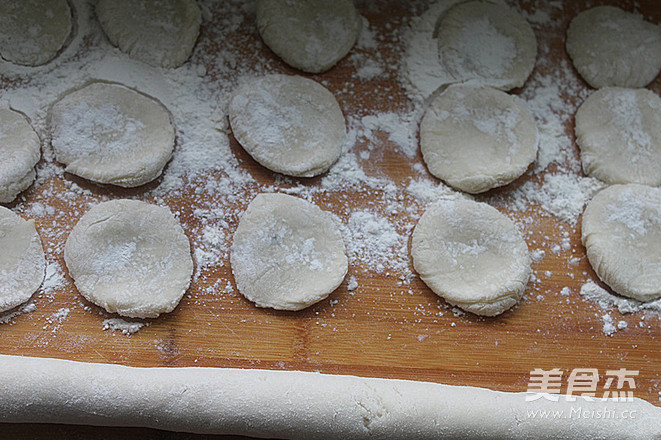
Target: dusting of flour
(377, 211)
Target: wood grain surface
(381, 329)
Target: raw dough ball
(487, 42)
(111, 134)
(32, 32)
(472, 255)
(619, 133)
(612, 47)
(477, 138)
(287, 253)
(289, 124)
(157, 32)
(621, 231)
(20, 152)
(130, 257)
(311, 35)
(22, 261)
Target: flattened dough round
(471, 255)
(32, 32)
(619, 133)
(477, 138)
(487, 42)
(109, 133)
(287, 253)
(130, 257)
(157, 32)
(22, 261)
(289, 124)
(310, 35)
(20, 151)
(612, 47)
(621, 231)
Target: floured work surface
(382, 321)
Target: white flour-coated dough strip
(297, 405)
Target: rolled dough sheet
(296, 405)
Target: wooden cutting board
(380, 329)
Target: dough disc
(472, 255)
(621, 231)
(20, 151)
(612, 47)
(130, 257)
(487, 42)
(22, 261)
(289, 124)
(287, 253)
(619, 133)
(477, 138)
(32, 32)
(311, 35)
(108, 133)
(157, 32)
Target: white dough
(310, 35)
(130, 257)
(289, 124)
(621, 231)
(157, 32)
(19, 152)
(487, 42)
(287, 253)
(619, 133)
(301, 405)
(612, 47)
(108, 133)
(477, 138)
(32, 32)
(22, 261)
(471, 255)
